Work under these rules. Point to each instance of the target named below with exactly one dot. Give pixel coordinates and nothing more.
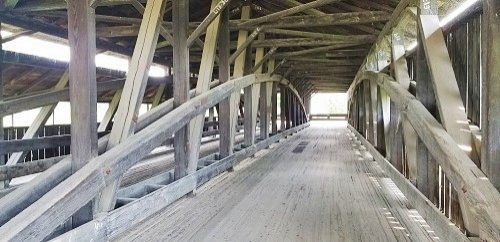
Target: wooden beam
(279, 15)
(432, 215)
(110, 112)
(39, 121)
(203, 83)
(476, 193)
(402, 77)
(130, 215)
(454, 120)
(251, 93)
(83, 92)
(258, 64)
(294, 42)
(10, 4)
(38, 220)
(329, 20)
(180, 16)
(243, 46)
(20, 145)
(214, 12)
(314, 50)
(490, 121)
(133, 92)
(227, 109)
(360, 38)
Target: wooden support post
(490, 121)
(110, 112)
(251, 93)
(2, 156)
(158, 95)
(380, 121)
(83, 92)
(211, 118)
(286, 106)
(361, 110)
(368, 111)
(180, 19)
(427, 168)
(445, 85)
(373, 113)
(282, 108)
(203, 85)
(293, 110)
(274, 108)
(447, 93)
(227, 108)
(133, 92)
(402, 77)
(265, 94)
(265, 109)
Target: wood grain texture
(287, 196)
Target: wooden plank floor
(318, 185)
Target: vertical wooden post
(180, 20)
(211, 118)
(2, 156)
(251, 93)
(361, 109)
(274, 108)
(427, 168)
(265, 109)
(287, 108)
(83, 91)
(227, 109)
(158, 95)
(402, 77)
(373, 113)
(293, 109)
(367, 117)
(490, 121)
(282, 108)
(133, 92)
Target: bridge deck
(317, 186)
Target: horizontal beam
(335, 19)
(294, 42)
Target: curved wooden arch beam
(473, 187)
(38, 220)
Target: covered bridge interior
(205, 131)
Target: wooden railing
(34, 210)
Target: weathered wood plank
(490, 122)
(180, 16)
(475, 190)
(83, 92)
(203, 84)
(226, 107)
(124, 218)
(454, 120)
(133, 91)
(402, 77)
(437, 220)
(287, 12)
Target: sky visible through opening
(329, 103)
